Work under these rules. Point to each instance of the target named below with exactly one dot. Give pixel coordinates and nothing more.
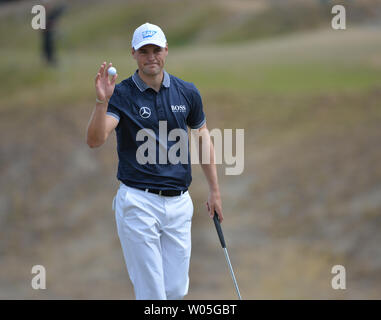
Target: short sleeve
(196, 118)
(114, 105)
(112, 111)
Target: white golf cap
(148, 34)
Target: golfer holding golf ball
(153, 208)
(111, 71)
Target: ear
(133, 53)
(166, 49)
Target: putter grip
(219, 230)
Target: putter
(223, 245)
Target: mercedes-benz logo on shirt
(145, 112)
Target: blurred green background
(307, 96)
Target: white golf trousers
(155, 235)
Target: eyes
(155, 51)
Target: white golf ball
(111, 71)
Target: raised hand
(104, 87)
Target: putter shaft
(232, 273)
(223, 245)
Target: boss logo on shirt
(179, 108)
(145, 112)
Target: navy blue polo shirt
(137, 106)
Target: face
(150, 59)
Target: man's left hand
(214, 204)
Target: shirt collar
(142, 86)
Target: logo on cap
(148, 33)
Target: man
(53, 12)
(153, 208)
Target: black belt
(166, 193)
